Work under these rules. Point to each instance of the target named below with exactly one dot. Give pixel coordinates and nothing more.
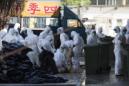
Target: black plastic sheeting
(18, 69)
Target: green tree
(8, 8)
(77, 3)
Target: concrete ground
(107, 80)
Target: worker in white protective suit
(44, 34)
(31, 42)
(13, 36)
(77, 50)
(63, 36)
(59, 37)
(60, 60)
(92, 39)
(100, 33)
(42, 37)
(119, 52)
(46, 44)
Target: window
(93, 2)
(41, 22)
(52, 21)
(26, 22)
(107, 2)
(101, 2)
(73, 23)
(34, 22)
(13, 20)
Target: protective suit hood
(60, 30)
(16, 26)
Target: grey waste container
(97, 58)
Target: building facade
(106, 13)
(110, 2)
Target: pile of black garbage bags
(17, 68)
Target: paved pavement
(107, 80)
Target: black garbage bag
(53, 79)
(47, 62)
(41, 80)
(38, 77)
(24, 67)
(11, 46)
(11, 63)
(3, 78)
(36, 80)
(15, 76)
(20, 69)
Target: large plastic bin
(97, 58)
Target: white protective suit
(43, 35)
(3, 32)
(127, 37)
(31, 42)
(60, 60)
(118, 55)
(13, 36)
(100, 33)
(67, 48)
(65, 42)
(46, 44)
(119, 52)
(88, 31)
(127, 25)
(92, 38)
(63, 37)
(77, 50)
(123, 33)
